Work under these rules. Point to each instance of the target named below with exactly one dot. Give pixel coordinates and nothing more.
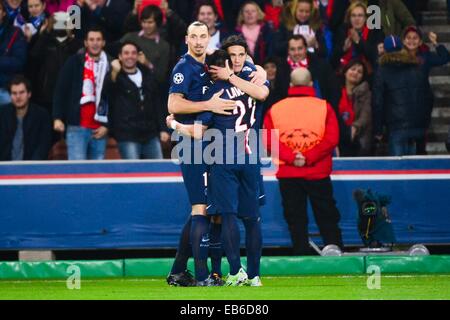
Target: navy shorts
(194, 173)
(194, 177)
(234, 189)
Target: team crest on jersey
(178, 78)
(247, 68)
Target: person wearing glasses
(355, 40)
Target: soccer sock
(200, 245)
(253, 244)
(230, 242)
(215, 248)
(184, 249)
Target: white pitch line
(140, 180)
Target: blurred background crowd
(381, 83)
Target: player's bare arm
(259, 77)
(195, 130)
(179, 105)
(255, 91)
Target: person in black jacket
(428, 59)
(25, 128)
(277, 91)
(137, 116)
(401, 99)
(47, 57)
(108, 14)
(13, 53)
(324, 77)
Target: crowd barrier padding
(270, 266)
(61, 269)
(143, 204)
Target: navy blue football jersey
(245, 115)
(191, 79)
(246, 71)
(245, 74)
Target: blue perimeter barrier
(128, 204)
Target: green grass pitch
(275, 288)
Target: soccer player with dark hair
(233, 188)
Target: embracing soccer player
(233, 184)
(190, 81)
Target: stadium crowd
(110, 78)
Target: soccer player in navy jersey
(186, 98)
(189, 83)
(234, 187)
(237, 49)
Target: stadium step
(431, 20)
(441, 90)
(437, 5)
(441, 80)
(435, 19)
(435, 148)
(441, 113)
(438, 132)
(441, 71)
(437, 13)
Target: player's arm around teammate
(196, 130)
(179, 105)
(255, 91)
(237, 49)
